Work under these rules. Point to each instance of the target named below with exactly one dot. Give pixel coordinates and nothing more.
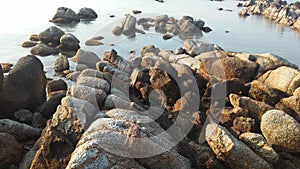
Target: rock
(69, 42)
(229, 149)
(281, 131)
(167, 37)
(93, 42)
(86, 57)
(226, 66)
(136, 11)
(1, 78)
(161, 18)
(61, 64)
(255, 108)
(191, 62)
(119, 62)
(291, 105)
(51, 35)
(29, 44)
(243, 13)
(199, 23)
(113, 101)
(24, 87)
(42, 50)
(149, 49)
(65, 15)
(38, 121)
(56, 85)
(261, 92)
(10, 151)
(229, 114)
(129, 25)
(188, 29)
(24, 116)
(34, 38)
(87, 13)
(94, 82)
(260, 146)
(284, 79)
(194, 48)
(91, 73)
(206, 29)
(81, 67)
(6, 67)
(20, 131)
(244, 124)
(48, 108)
(117, 30)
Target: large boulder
(1, 78)
(281, 130)
(51, 35)
(65, 15)
(10, 150)
(86, 57)
(232, 151)
(284, 79)
(87, 13)
(24, 87)
(69, 42)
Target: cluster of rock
(276, 10)
(186, 27)
(53, 41)
(225, 109)
(66, 15)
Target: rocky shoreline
(196, 107)
(279, 11)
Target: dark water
(253, 34)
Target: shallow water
(253, 34)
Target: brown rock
(29, 44)
(229, 114)
(244, 124)
(10, 151)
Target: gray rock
(92, 95)
(20, 131)
(29, 44)
(91, 73)
(181, 59)
(86, 57)
(24, 116)
(114, 101)
(87, 13)
(197, 47)
(284, 79)
(230, 150)
(161, 18)
(260, 146)
(48, 108)
(129, 25)
(51, 35)
(10, 151)
(149, 49)
(117, 30)
(38, 121)
(93, 42)
(94, 82)
(61, 63)
(81, 67)
(69, 42)
(42, 50)
(65, 15)
(189, 30)
(281, 130)
(255, 109)
(24, 87)
(1, 78)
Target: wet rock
(56, 85)
(197, 47)
(199, 23)
(86, 57)
(261, 92)
(281, 131)
(24, 116)
(24, 87)
(92, 95)
(260, 146)
(117, 30)
(284, 79)
(69, 42)
(51, 35)
(129, 25)
(10, 151)
(42, 50)
(61, 64)
(48, 108)
(65, 15)
(255, 109)
(206, 29)
(226, 66)
(244, 124)
(20, 131)
(1, 78)
(94, 82)
(34, 38)
(87, 13)
(229, 149)
(167, 37)
(29, 44)
(243, 13)
(136, 11)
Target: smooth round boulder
(24, 87)
(10, 150)
(87, 13)
(281, 131)
(69, 42)
(51, 35)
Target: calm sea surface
(253, 34)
